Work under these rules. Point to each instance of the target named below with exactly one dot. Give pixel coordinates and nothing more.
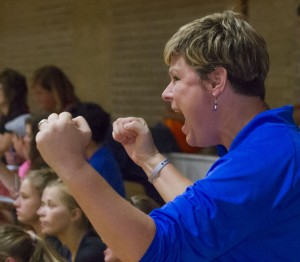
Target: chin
(190, 141)
(46, 232)
(21, 219)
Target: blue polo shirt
(105, 164)
(247, 208)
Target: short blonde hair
(226, 40)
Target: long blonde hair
(40, 178)
(26, 247)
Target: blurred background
(112, 49)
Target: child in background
(29, 199)
(61, 216)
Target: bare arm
(125, 229)
(135, 136)
(8, 178)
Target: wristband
(157, 169)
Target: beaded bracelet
(157, 169)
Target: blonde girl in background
(61, 216)
(29, 199)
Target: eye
(24, 196)
(51, 204)
(175, 78)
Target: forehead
(51, 193)
(27, 187)
(178, 65)
(179, 68)
(39, 89)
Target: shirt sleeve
(237, 198)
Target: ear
(76, 214)
(218, 80)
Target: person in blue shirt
(247, 206)
(97, 152)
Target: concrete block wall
(112, 49)
(278, 22)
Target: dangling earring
(215, 104)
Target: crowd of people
(65, 168)
(43, 208)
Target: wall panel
(112, 50)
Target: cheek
(32, 206)
(45, 99)
(28, 209)
(198, 124)
(49, 103)
(58, 221)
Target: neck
(72, 238)
(91, 148)
(37, 228)
(238, 113)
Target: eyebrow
(173, 70)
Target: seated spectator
(53, 90)
(13, 107)
(13, 104)
(17, 245)
(26, 147)
(33, 158)
(98, 154)
(61, 216)
(29, 199)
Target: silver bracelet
(157, 169)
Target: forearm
(125, 229)
(169, 182)
(8, 178)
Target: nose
(17, 202)
(40, 211)
(167, 94)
